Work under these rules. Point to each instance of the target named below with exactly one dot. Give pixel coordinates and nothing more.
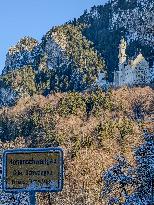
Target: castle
(132, 72)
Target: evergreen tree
(125, 185)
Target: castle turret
(120, 79)
(122, 51)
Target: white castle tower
(122, 51)
(119, 75)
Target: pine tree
(125, 185)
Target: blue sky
(19, 18)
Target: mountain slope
(24, 53)
(75, 62)
(64, 61)
(70, 57)
(134, 20)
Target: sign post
(32, 198)
(33, 170)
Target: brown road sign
(33, 170)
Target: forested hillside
(93, 128)
(107, 24)
(49, 97)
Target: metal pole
(152, 189)
(32, 198)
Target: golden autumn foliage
(92, 128)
